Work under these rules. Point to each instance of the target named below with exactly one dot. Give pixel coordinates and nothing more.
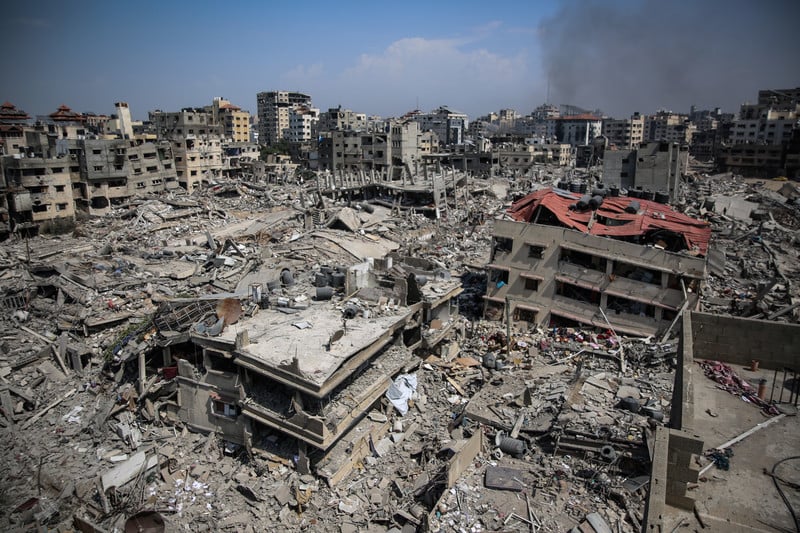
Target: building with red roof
(625, 264)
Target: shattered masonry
(418, 350)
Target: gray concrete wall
(547, 267)
(740, 340)
(613, 168)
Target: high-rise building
(274, 113)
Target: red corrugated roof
(651, 216)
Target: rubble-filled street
(265, 357)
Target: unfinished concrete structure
(553, 263)
(652, 167)
(706, 416)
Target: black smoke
(646, 55)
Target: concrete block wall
(682, 410)
(674, 466)
(682, 467)
(739, 340)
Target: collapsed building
(280, 357)
(627, 264)
(202, 355)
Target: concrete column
(142, 373)
(167, 353)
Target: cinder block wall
(740, 340)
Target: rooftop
(611, 219)
(301, 344)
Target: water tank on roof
(575, 186)
(583, 203)
(583, 188)
(647, 195)
(613, 192)
(634, 193)
(662, 197)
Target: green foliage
(281, 147)
(133, 331)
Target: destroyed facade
(278, 346)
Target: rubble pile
(483, 425)
(752, 269)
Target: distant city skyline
(620, 56)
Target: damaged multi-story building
(612, 262)
(281, 359)
(196, 144)
(765, 138)
(60, 169)
(115, 170)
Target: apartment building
(763, 141)
(12, 126)
(624, 133)
(577, 130)
(233, 121)
(535, 151)
(449, 125)
(39, 188)
(302, 124)
(337, 118)
(355, 151)
(765, 125)
(627, 264)
(668, 126)
(115, 170)
(196, 144)
(273, 113)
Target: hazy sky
(388, 57)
